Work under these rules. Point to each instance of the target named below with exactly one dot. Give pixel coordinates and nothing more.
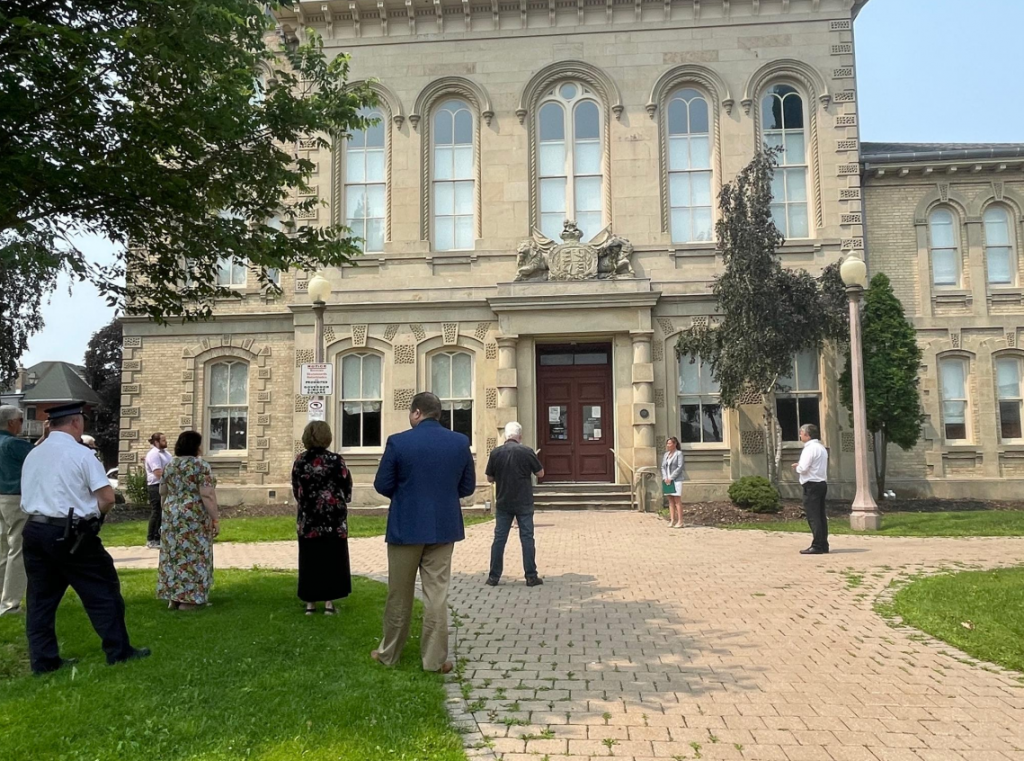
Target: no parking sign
(316, 410)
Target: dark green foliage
(892, 362)
(169, 127)
(134, 486)
(755, 494)
(768, 312)
(103, 374)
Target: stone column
(507, 383)
(644, 450)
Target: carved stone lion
(540, 258)
(530, 261)
(613, 258)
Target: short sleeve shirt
(156, 459)
(13, 452)
(59, 475)
(512, 466)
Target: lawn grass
(966, 523)
(269, 528)
(249, 678)
(979, 612)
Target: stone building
(500, 120)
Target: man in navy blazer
(425, 471)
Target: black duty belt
(62, 522)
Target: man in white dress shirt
(157, 459)
(61, 476)
(813, 472)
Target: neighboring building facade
(45, 385)
(498, 121)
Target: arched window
(365, 186)
(999, 246)
(453, 183)
(361, 400)
(798, 400)
(451, 378)
(700, 409)
(689, 166)
(953, 379)
(1010, 397)
(570, 160)
(944, 250)
(782, 121)
(228, 406)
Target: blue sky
(929, 71)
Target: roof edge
(960, 154)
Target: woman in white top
(672, 475)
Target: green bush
(134, 486)
(756, 494)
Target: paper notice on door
(595, 412)
(554, 414)
(597, 433)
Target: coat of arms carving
(540, 258)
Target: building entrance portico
(575, 416)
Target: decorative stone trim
(752, 442)
(851, 219)
(845, 96)
(659, 397)
(846, 120)
(263, 396)
(129, 388)
(129, 412)
(263, 420)
(666, 326)
(184, 421)
(329, 335)
(852, 243)
(130, 434)
(840, 25)
(846, 145)
(131, 365)
(1011, 339)
(657, 351)
(301, 403)
(491, 398)
(450, 333)
(127, 458)
(359, 333)
(843, 72)
(262, 467)
(303, 357)
(848, 441)
(849, 194)
(417, 330)
(482, 329)
(405, 354)
(750, 396)
(403, 398)
(262, 442)
(390, 332)
(492, 442)
(263, 373)
(298, 447)
(845, 170)
(842, 48)
(187, 398)
(188, 376)
(132, 342)
(491, 350)
(301, 286)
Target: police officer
(61, 475)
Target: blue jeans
(502, 526)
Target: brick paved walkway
(648, 643)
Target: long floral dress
(185, 574)
(322, 487)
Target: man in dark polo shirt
(512, 467)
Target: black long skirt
(324, 569)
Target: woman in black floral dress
(322, 487)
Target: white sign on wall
(317, 379)
(316, 410)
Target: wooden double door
(574, 411)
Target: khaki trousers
(13, 581)
(434, 563)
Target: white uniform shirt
(813, 465)
(61, 474)
(156, 459)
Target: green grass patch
(270, 528)
(979, 612)
(968, 523)
(249, 678)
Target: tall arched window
(361, 400)
(1010, 397)
(953, 374)
(944, 250)
(451, 378)
(228, 406)
(453, 183)
(570, 160)
(798, 400)
(782, 120)
(365, 186)
(700, 407)
(999, 246)
(689, 166)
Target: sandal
(329, 608)
(310, 609)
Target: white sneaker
(153, 545)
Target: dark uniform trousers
(155, 517)
(814, 507)
(51, 568)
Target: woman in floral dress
(322, 487)
(189, 524)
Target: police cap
(66, 410)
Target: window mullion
(570, 163)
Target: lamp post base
(862, 520)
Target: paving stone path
(650, 643)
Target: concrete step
(589, 504)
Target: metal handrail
(634, 501)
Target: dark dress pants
(51, 569)
(153, 533)
(502, 527)
(814, 508)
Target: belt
(62, 522)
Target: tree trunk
(772, 443)
(881, 458)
